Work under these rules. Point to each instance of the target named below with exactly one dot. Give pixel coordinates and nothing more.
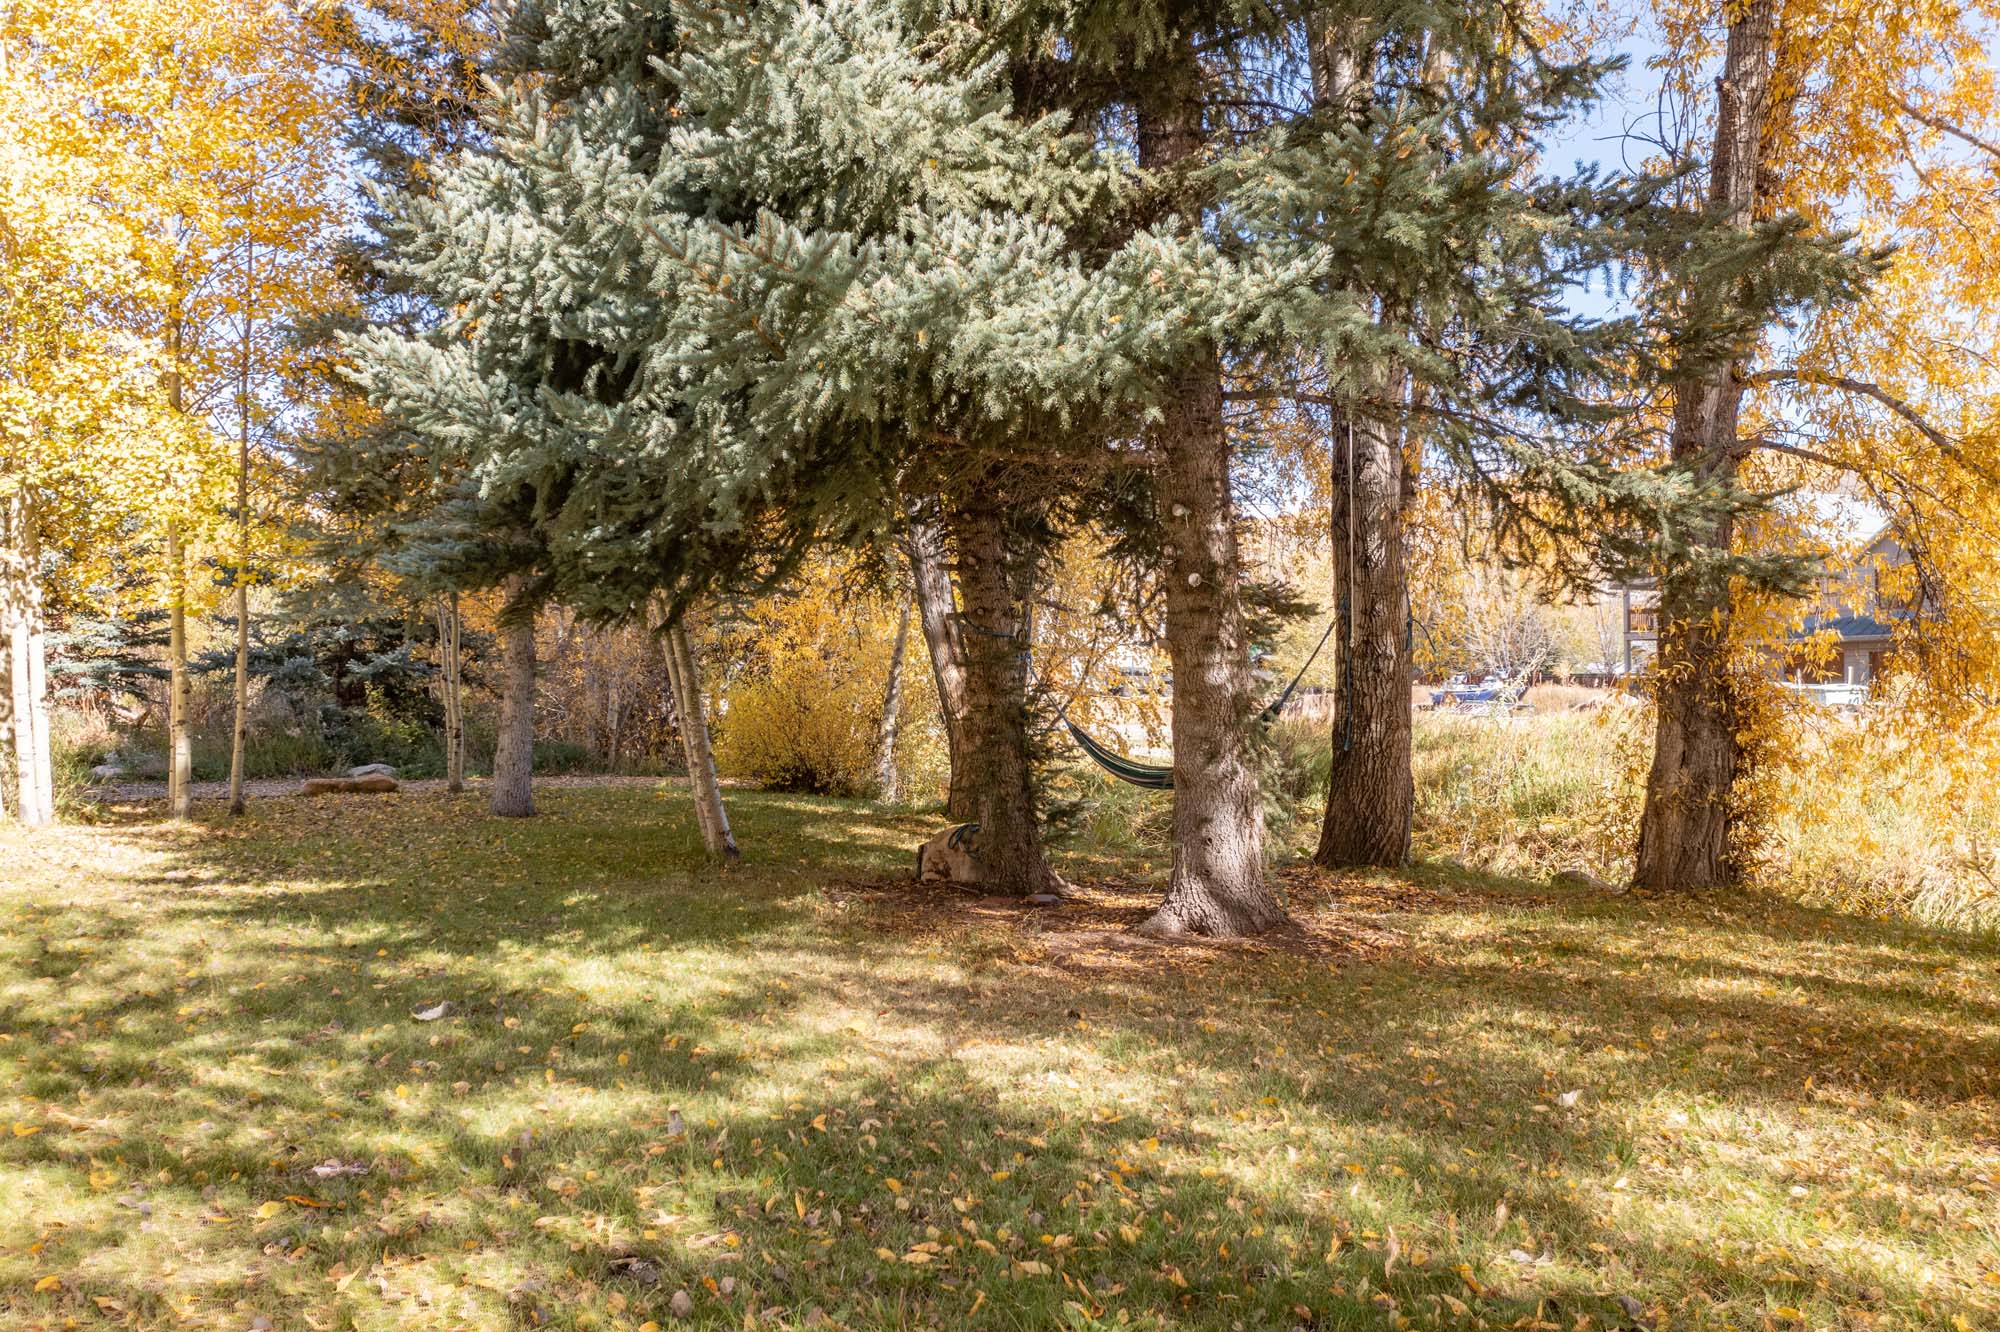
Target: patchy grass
(796, 1095)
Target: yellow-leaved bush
(802, 700)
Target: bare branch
(1940, 441)
(1944, 126)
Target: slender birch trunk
(888, 786)
(513, 794)
(449, 689)
(1216, 886)
(930, 581)
(240, 719)
(32, 779)
(1685, 827)
(704, 784)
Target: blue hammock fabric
(1154, 777)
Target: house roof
(1852, 628)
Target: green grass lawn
(800, 1094)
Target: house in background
(1847, 638)
(1840, 649)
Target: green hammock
(1154, 777)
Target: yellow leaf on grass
(893, 1185)
(269, 1210)
(26, 1130)
(47, 1284)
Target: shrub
(808, 727)
(805, 713)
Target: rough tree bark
(930, 579)
(31, 788)
(1217, 885)
(450, 679)
(513, 793)
(1684, 830)
(888, 787)
(996, 571)
(684, 679)
(1371, 794)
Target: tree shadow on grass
(654, 1078)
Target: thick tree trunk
(180, 739)
(1685, 827)
(450, 678)
(1217, 885)
(1370, 794)
(930, 579)
(684, 677)
(514, 753)
(996, 571)
(888, 788)
(31, 790)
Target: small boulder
(107, 772)
(372, 770)
(318, 786)
(373, 784)
(949, 856)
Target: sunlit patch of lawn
(663, 1093)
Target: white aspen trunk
(888, 784)
(703, 781)
(240, 713)
(930, 582)
(676, 688)
(32, 785)
(180, 744)
(449, 680)
(513, 793)
(180, 741)
(10, 780)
